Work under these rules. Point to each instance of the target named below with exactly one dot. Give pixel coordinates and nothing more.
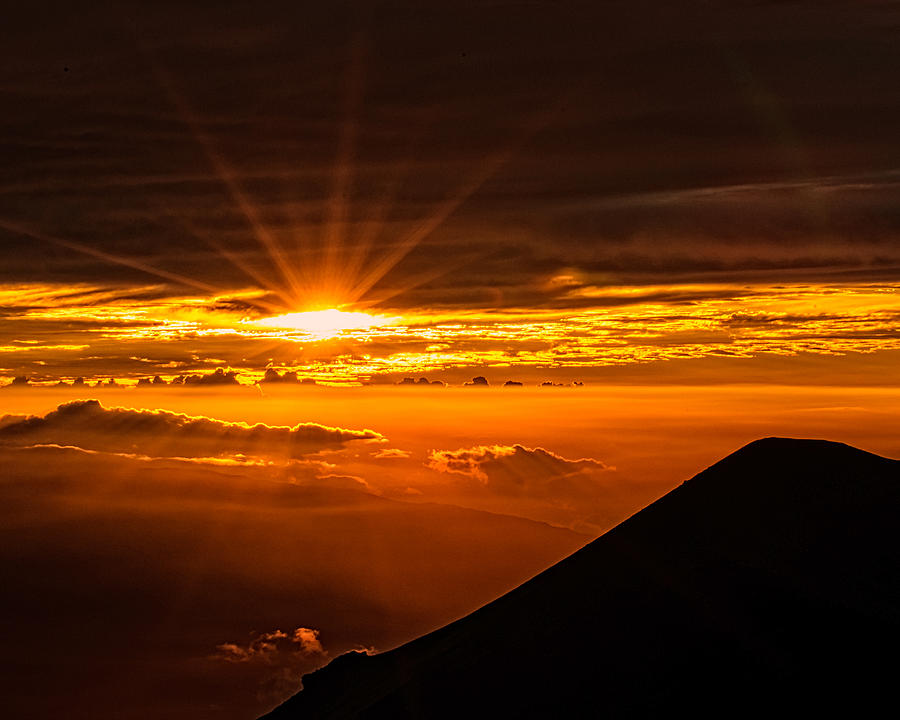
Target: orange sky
(181, 188)
(233, 234)
(648, 438)
(58, 333)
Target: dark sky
(629, 142)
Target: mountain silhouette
(768, 583)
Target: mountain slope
(767, 582)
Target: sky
(254, 256)
(532, 190)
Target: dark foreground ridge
(767, 583)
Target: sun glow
(326, 323)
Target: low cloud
(336, 482)
(515, 470)
(289, 377)
(89, 425)
(218, 377)
(272, 647)
(281, 658)
(391, 454)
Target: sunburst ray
(378, 218)
(338, 205)
(230, 181)
(469, 187)
(21, 229)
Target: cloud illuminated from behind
(89, 425)
(516, 470)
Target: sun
(325, 323)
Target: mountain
(768, 584)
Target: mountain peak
(786, 469)
(787, 447)
(795, 452)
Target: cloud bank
(89, 425)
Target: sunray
(230, 180)
(20, 229)
(385, 264)
(472, 184)
(338, 204)
(261, 348)
(372, 227)
(411, 284)
(251, 272)
(234, 259)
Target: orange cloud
(391, 454)
(89, 425)
(520, 471)
(272, 647)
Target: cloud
(333, 481)
(391, 454)
(282, 657)
(288, 376)
(515, 470)
(272, 647)
(217, 377)
(308, 640)
(157, 433)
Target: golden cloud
(89, 425)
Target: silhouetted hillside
(768, 583)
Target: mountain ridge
(762, 571)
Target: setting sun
(325, 323)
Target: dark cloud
(288, 377)
(156, 433)
(693, 139)
(218, 377)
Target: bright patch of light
(325, 323)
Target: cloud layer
(157, 433)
